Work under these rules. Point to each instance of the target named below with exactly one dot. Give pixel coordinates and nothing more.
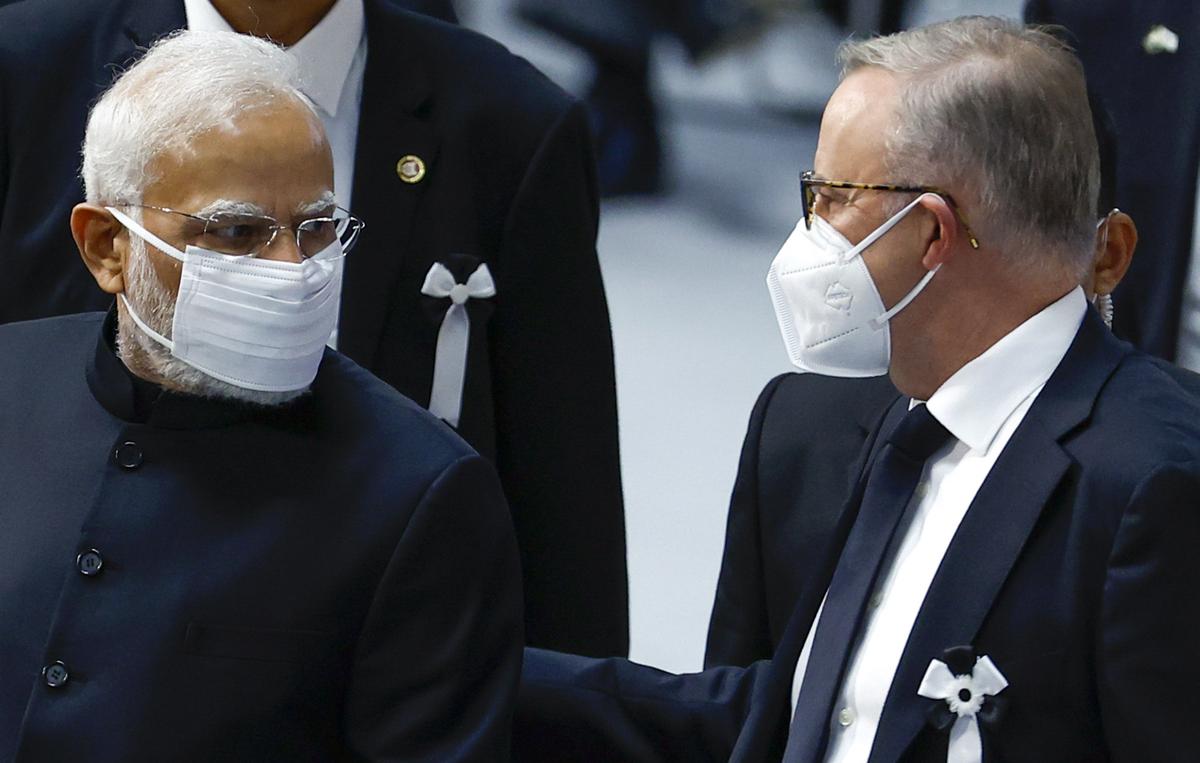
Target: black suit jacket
(1072, 569)
(799, 461)
(336, 581)
(509, 183)
(1151, 99)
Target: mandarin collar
(138, 401)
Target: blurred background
(706, 111)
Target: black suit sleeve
(738, 631)
(440, 686)
(582, 709)
(555, 399)
(1146, 671)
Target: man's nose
(282, 248)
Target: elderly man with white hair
(1014, 575)
(218, 539)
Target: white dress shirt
(981, 405)
(1187, 351)
(333, 58)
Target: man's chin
(153, 362)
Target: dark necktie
(889, 488)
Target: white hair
(999, 110)
(186, 84)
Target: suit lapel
(996, 527)
(764, 733)
(396, 94)
(133, 27)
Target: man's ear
(96, 234)
(943, 234)
(1118, 242)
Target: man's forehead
(855, 125)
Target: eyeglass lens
(243, 235)
(810, 199)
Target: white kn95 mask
(830, 314)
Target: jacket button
(128, 455)
(90, 562)
(56, 675)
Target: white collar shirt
(333, 60)
(981, 405)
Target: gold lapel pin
(1160, 40)
(411, 168)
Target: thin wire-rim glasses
(247, 235)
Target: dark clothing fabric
(797, 467)
(1150, 97)
(1072, 570)
(334, 579)
(509, 182)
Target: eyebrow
(323, 203)
(230, 207)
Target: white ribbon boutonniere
(450, 360)
(967, 685)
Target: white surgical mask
(831, 316)
(254, 323)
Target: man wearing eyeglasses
(220, 539)
(472, 170)
(1010, 577)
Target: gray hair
(999, 110)
(185, 85)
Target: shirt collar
(325, 54)
(975, 402)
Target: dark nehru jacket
(187, 579)
(508, 182)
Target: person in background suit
(1142, 60)
(235, 544)
(793, 480)
(475, 289)
(1010, 574)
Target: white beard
(155, 305)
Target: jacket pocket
(261, 644)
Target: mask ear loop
(163, 247)
(141, 324)
(878, 323)
(146, 235)
(882, 230)
(881, 321)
